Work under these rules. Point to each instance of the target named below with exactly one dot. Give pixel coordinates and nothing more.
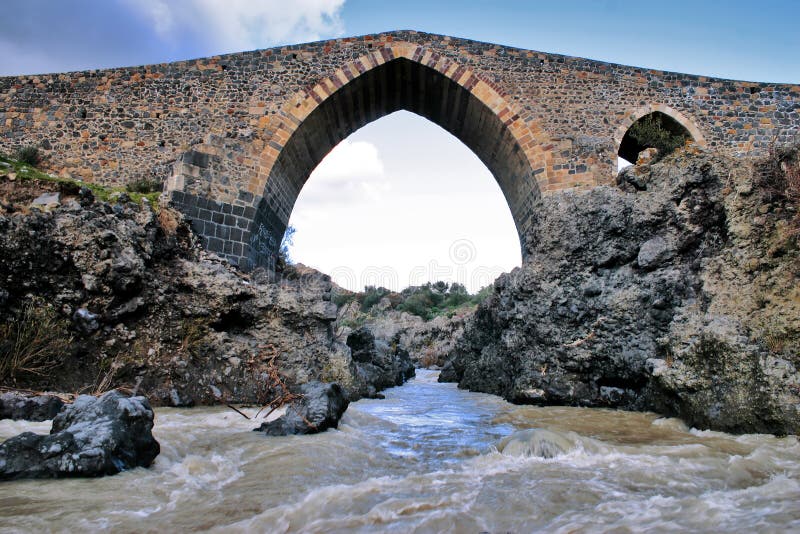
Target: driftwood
(275, 381)
(237, 411)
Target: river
(424, 460)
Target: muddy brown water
(424, 460)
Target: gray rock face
(46, 200)
(91, 437)
(320, 408)
(653, 252)
(14, 405)
(142, 301)
(378, 364)
(640, 297)
(427, 342)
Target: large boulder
(89, 438)
(29, 407)
(319, 408)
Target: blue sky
(378, 210)
(735, 39)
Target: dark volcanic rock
(320, 408)
(91, 437)
(15, 405)
(140, 302)
(378, 364)
(667, 296)
(362, 345)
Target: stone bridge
(235, 137)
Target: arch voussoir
(299, 107)
(682, 119)
(517, 150)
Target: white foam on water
(9, 428)
(425, 460)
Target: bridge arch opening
(650, 126)
(399, 203)
(454, 102)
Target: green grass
(101, 192)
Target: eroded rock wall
(675, 292)
(138, 304)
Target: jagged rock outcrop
(378, 364)
(91, 437)
(319, 407)
(428, 343)
(143, 306)
(29, 407)
(675, 292)
(431, 342)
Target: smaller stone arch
(679, 118)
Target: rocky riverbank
(676, 291)
(117, 294)
(427, 342)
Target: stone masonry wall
(213, 128)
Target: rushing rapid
(428, 459)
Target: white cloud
(159, 13)
(394, 204)
(351, 169)
(236, 25)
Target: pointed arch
(687, 123)
(397, 76)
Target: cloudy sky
(382, 208)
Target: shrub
(778, 176)
(342, 297)
(144, 185)
(454, 300)
(193, 336)
(371, 296)
(33, 343)
(482, 293)
(650, 131)
(419, 304)
(29, 155)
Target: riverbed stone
(537, 442)
(380, 364)
(29, 407)
(89, 438)
(319, 408)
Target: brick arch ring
(532, 140)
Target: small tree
(284, 258)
